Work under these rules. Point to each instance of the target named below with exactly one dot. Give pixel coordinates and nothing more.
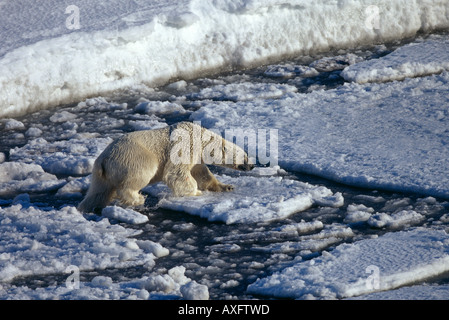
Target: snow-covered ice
(305, 244)
(413, 60)
(243, 92)
(384, 263)
(37, 241)
(335, 63)
(71, 157)
(391, 136)
(57, 53)
(172, 285)
(290, 70)
(158, 107)
(195, 291)
(418, 292)
(255, 199)
(12, 124)
(18, 177)
(124, 215)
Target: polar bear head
(193, 144)
(235, 157)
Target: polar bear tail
(99, 194)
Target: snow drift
(118, 45)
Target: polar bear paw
(131, 198)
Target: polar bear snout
(245, 167)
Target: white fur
(176, 155)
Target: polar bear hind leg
(132, 174)
(121, 171)
(207, 181)
(129, 197)
(98, 196)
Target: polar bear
(177, 155)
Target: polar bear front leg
(184, 185)
(130, 197)
(180, 181)
(207, 181)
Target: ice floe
(124, 215)
(70, 157)
(389, 136)
(255, 199)
(36, 241)
(17, 177)
(414, 60)
(384, 263)
(171, 285)
(243, 91)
